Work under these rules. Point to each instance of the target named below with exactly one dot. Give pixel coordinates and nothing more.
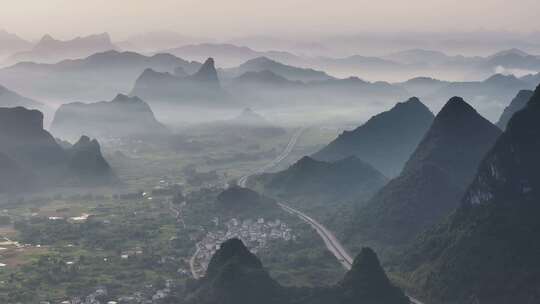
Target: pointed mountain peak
(367, 263)
(413, 99)
(87, 162)
(207, 72)
(367, 281)
(456, 107)
(455, 143)
(232, 253)
(412, 103)
(88, 145)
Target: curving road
(332, 243)
(242, 181)
(330, 240)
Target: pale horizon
(66, 19)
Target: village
(256, 234)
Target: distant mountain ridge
(229, 54)
(11, 43)
(292, 73)
(50, 50)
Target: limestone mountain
(236, 276)
(367, 282)
(519, 102)
(30, 150)
(123, 116)
(86, 162)
(200, 88)
(24, 139)
(238, 201)
(207, 73)
(327, 183)
(433, 179)
(486, 252)
(386, 140)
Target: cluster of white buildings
(254, 233)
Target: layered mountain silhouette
(96, 77)
(432, 181)
(423, 86)
(289, 72)
(386, 140)
(270, 88)
(488, 96)
(11, 43)
(123, 116)
(228, 54)
(316, 181)
(200, 88)
(486, 252)
(519, 102)
(236, 276)
(50, 50)
(29, 150)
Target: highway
(242, 181)
(192, 263)
(331, 242)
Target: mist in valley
(254, 152)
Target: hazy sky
(232, 18)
